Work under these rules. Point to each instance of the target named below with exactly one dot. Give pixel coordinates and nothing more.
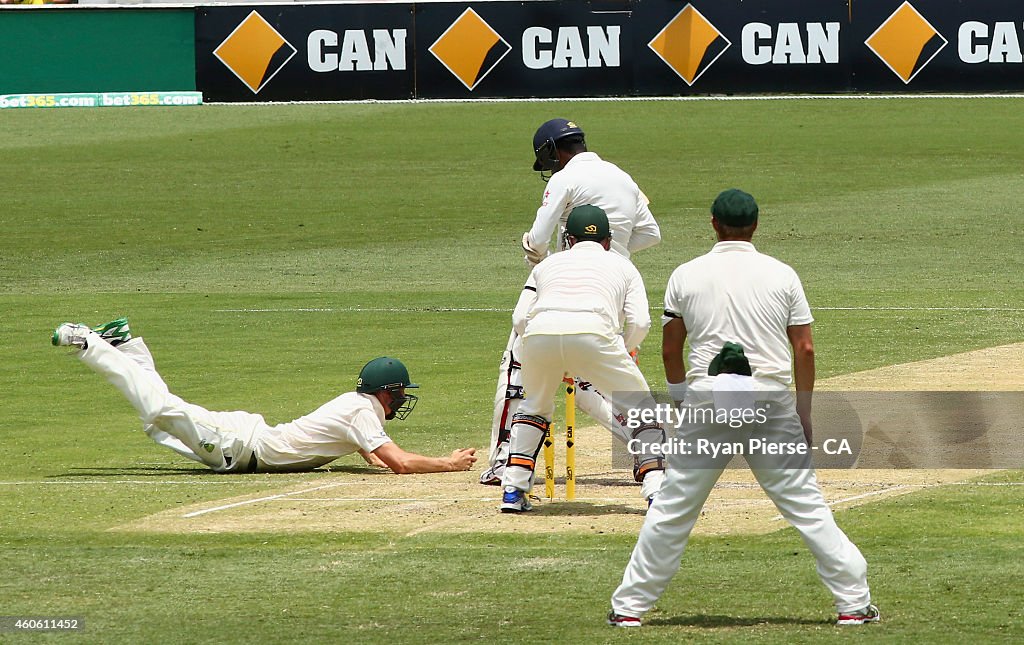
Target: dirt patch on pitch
(607, 502)
(607, 499)
(995, 369)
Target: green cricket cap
(733, 207)
(730, 360)
(587, 224)
(383, 373)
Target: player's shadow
(716, 621)
(90, 472)
(562, 508)
(354, 469)
(614, 480)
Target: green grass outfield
(266, 253)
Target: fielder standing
(577, 177)
(244, 442)
(744, 310)
(580, 312)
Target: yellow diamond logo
(254, 52)
(689, 44)
(470, 48)
(906, 42)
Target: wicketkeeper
(580, 312)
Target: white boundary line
(918, 308)
(452, 500)
(402, 310)
(239, 482)
(905, 487)
(870, 494)
(636, 99)
(290, 497)
(877, 492)
(406, 500)
(132, 482)
(389, 310)
(461, 500)
(264, 499)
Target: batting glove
(533, 256)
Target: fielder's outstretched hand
(463, 458)
(372, 459)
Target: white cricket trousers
(795, 492)
(546, 360)
(507, 401)
(221, 440)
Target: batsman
(575, 177)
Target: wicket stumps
(570, 447)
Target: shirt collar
(733, 245)
(377, 407)
(583, 156)
(587, 245)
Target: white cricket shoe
(869, 614)
(71, 334)
(618, 620)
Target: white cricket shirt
(344, 425)
(584, 290)
(588, 179)
(736, 294)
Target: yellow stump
(549, 464)
(570, 440)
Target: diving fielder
(574, 177)
(232, 442)
(745, 309)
